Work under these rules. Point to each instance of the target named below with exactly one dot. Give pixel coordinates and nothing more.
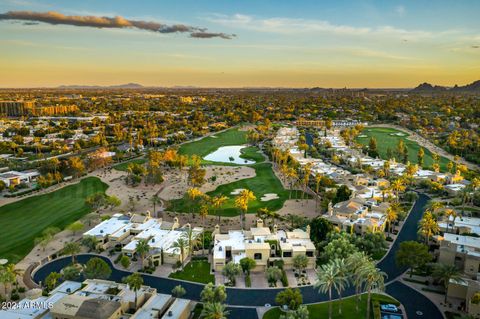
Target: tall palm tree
(342, 278)
(445, 273)
(214, 310)
(241, 202)
(328, 279)
(398, 186)
(428, 226)
(203, 215)
(142, 249)
(134, 282)
(374, 280)
(355, 262)
(191, 239)
(292, 176)
(450, 213)
(181, 244)
(318, 179)
(193, 193)
(155, 200)
(217, 202)
(391, 217)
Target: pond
(228, 154)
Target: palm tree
(241, 202)
(142, 249)
(342, 270)
(218, 201)
(13, 273)
(329, 278)
(134, 282)
(193, 193)
(446, 273)
(71, 248)
(391, 218)
(203, 214)
(428, 226)
(214, 310)
(191, 238)
(374, 279)
(181, 244)
(398, 186)
(291, 175)
(318, 179)
(155, 200)
(355, 262)
(450, 213)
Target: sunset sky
(239, 43)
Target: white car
(389, 307)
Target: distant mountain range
(120, 86)
(473, 87)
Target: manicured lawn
(209, 144)
(264, 182)
(123, 166)
(252, 153)
(320, 311)
(23, 221)
(386, 139)
(197, 271)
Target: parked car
(389, 307)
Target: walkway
(249, 298)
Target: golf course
(388, 138)
(264, 182)
(23, 221)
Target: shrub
(15, 297)
(248, 281)
(284, 279)
(21, 290)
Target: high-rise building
(16, 108)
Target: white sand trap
(362, 135)
(214, 136)
(237, 191)
(398, 134)
(269, 196)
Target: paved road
(260, 297)
(416, 304)
(408, 232)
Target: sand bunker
(237, 191)
(362, 135)
(269, 196)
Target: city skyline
(248, 44)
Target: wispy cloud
(118, 22)
(295, 26)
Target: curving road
(259, 297)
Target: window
(257, 256)
(309, 253)
(287, 254)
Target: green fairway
(320, 310)
(207, 145)
(123, 166)
(197, 271)
(264, 182)
(387, 139)
(23, 221)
